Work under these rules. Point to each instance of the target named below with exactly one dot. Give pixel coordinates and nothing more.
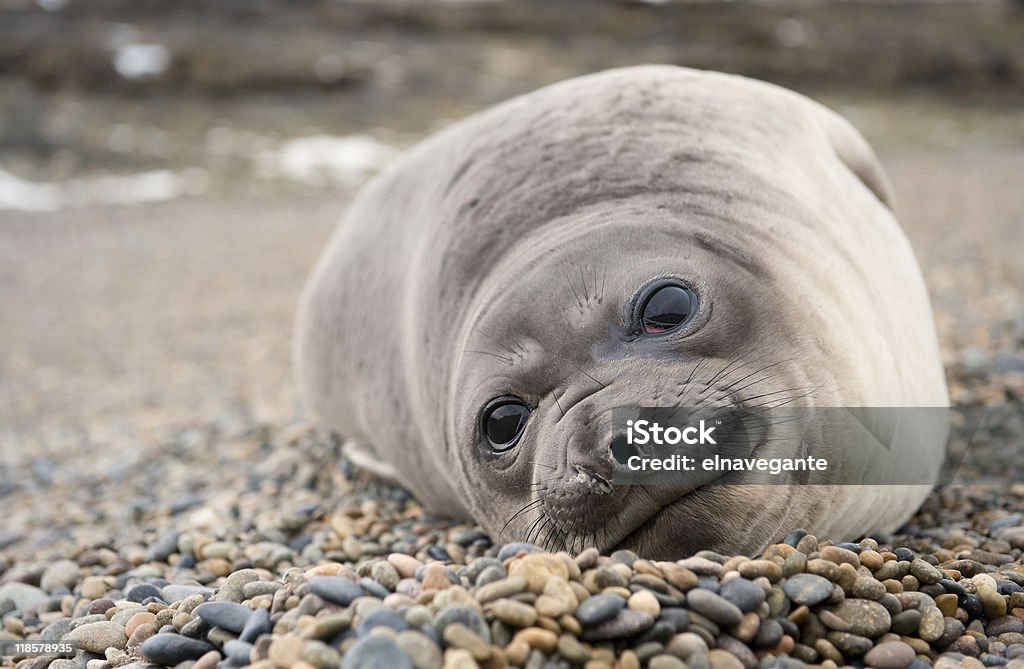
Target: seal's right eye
(503, 421)
(668, 307)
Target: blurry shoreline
(198, 98)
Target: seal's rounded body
(505, 257)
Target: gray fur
(496, 257)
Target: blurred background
(169, 171)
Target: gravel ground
(300, 561)
(163, 502)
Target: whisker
(501, 358)
(589, 376)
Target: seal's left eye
(667, 308)
(503, 422)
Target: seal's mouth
(641, 534)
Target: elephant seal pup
(649, 236)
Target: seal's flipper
(364, 457)
(854, 151)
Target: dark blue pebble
(257, 624)
(439, 554)
(336, 589)
(1007, 521)
(238, 651)
(399, 495)
(431, 632)
(173, 593)
(458, 613)
(768, 634)
(478, 565)
(382, 617)
(163, 548)
(850, 547)
(300, 542)
(794, 537)
(904, 554)
(625, 557)
(57, 629)
(993, 660)
(185, 562)
(662, 632)
(972, 605)
(225, 615)
(709, 583)
(598, 609)
(508, 550)
(375, 652)
(1008, 587)
(746, 595)
(680, 618)
(663, 599)
(471, 536)
(789, 627)
(954, 588)
(374, 588)
(170, 649)
(784, 663)
(137, 593)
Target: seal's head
(625, 312)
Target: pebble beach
(164, 500)
(312, 564)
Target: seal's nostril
(592, 480)
(621, 450)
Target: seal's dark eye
(503, 422)
(667, 308)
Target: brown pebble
(405, 565)
(208, 661)
(138, 619)
(543, 640)
(720, 659)
(629, 660)
(871, 559)
(840, 555)
(645, 602)
(459, 658)
(947, 604)
(329, 569)
(517, 652)
(677, 576)
(285, 651)
(461, 636)
(140, 634)
(758, 568)
(537, 568)
(890, 655)
(436, 577)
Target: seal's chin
(720, 517)
(720, 514)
